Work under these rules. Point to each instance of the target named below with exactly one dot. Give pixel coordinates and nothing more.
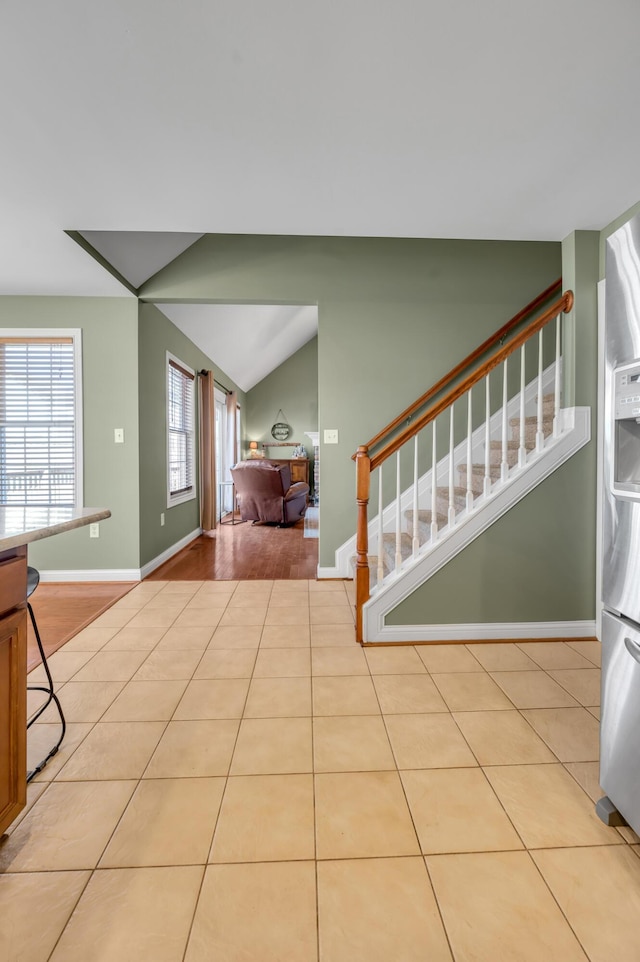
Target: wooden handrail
(562, 305)
(463, 365)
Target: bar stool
(33, 580)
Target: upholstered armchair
(265, 493)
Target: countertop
(20, 525)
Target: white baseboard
(119, 574)
(91, 574)
(498, 631)
(329, 573)
(169, 552)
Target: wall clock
(280, 431)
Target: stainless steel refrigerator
(620, 709)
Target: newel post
(363, 479)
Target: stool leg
(52, 697)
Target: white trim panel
(501, 630)
(91, 574)
(330, 573)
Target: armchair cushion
(265, 492)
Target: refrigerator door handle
(633, 648)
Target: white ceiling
(499, 119)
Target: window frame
(190, 494)
(55, 334)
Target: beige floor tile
(295, 584)
(428, 741)
(598, 889)
(90, 639)
(627, 833)
(548, 808)
(132, 913)
(378, 910)
(223, 663)
(135, 639)
(169, 821)
(199, 617)
(42, 738)
(352, 743)
(533, 689)
(296, 615)
(87, 701)
(399, 660)
(67, 828)
(456, 810)
(327, 584)
(250, 600)
(471, 691)
(63, 665)
(47, 897)
(595, 711)
(265, 818)
(146, 701)
(554, 654)
(572, 733)
(240, 617)
(181, 587)
(111, 666)
(34, 790)
(194, 749)
(168, 666)
(330, 636)
(587, 775)
(246, 636)
(207, 599)
(185, 638)
(444, 658)
(113, 618)
(496, 907)
(154, 617)
(168, 603)
(288, 599)
(282, 663)
(213, 698)
(362, 815)
(344, 695)
(592, 650)
(502, 738)
(402, 694)
(280, 926)
(583, 683)
(501, 657)
(113, 750)
(285, 636)
(279, 698)
(273, 746)
(332, 615)
(338, 661)
(328, 599)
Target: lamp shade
(253, 445)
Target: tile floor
(240, 782)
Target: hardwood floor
(242, 552)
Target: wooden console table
(19, 527)
(299, 468)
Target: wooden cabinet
(13, 687)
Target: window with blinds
(180, 431)
(38, 421)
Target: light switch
(118, 435)
(330, 437)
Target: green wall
(394, 315)
(110, 388)
(156, 336)
(293, 387)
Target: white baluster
(556, 391)
(434, 486)
(539, 427)
(522, 450)
(469, 454)
(487, 438)
(398, 515)
(380, 529)
(451, 516)
(415, 542)
(504, 464)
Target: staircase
(497, 451)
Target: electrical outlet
(162, 519)
(94, 530)
(330, 437)
(118, 435)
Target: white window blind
(37, 421)
(180, 406)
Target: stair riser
(530, 431)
